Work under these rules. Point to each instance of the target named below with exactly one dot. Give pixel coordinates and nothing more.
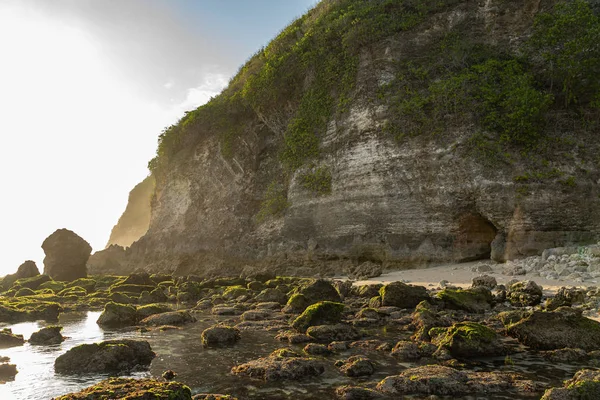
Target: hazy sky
(86, 87)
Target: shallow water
(207, 370)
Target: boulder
(117, 315)
(319, 290)
(111, 356)
(151, 309)
(475, 300)
(7, 372)
(271, 295)
(468, 339)
(322, 313)
(169, 318)
(562, 328)
(366, 270)
(356, 393)
(220, 335)
(585, 385)
(486, 281)
(47, 335)
(9, 339)
(366, 291)
(134, 389)
(445, 381)
(424, 318)
(26, 270)
(280, 366)
(356, 366)
(315, 349)
(524, 293)
(66, 255)
(566, 297)
(330, 333)
(401, 295)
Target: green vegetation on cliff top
(308, 74)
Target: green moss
(73, 291)
(321, 313)
(586, 390)
(317, 180)
(468, 339)
(471, 300)
(55, 286)
(88, 284)
(130, 289)
(151, 309)
(24, 292)
(233, 292)
(274, 201)
(297, 303)
(33, 282)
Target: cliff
(401, 132)
(135, 220)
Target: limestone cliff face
(409, 202)
(136, 218)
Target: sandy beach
(462, 274)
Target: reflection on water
(207, 370)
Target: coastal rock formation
(66, 255)
(127, 388)
(136, 218)
(26, 270)
(47, 335)
(109, 356)
(255, 177)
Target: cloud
(213, 84)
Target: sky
(86, 86)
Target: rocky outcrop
(584, 385)
(280, 366)
(564, 327)
(109, 356)
(9, 339)
(390, 196)
(220, 335)
(66, 255)
(128, 388)
(47, 335)
(26, 270)
(112, 260)
(445, 381)
(136, 218)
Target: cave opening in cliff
(474, 237)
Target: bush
(567, 40)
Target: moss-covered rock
(73, 291)
(47, 335)
(88, 284)
(469, 339)
(551, 330)
(399, 294)
(585, 385)
(131, 289)
(475, 300)
(117, 315)
(220, 335)
(132, 389)
(24, 292)
(9, 339)
(28, 308)
(297, 303)
(316, 290)
(321, 313)
(169, 318)
(56, 286)
(109, 356)
(275, 295)
(33, 282)
(151, 309)
(525, 293)
(233, 292)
